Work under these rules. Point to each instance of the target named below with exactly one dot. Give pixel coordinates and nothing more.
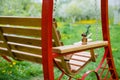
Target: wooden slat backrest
(56, 35)
(5, 43)
(24, 31)
(21, 21)
(24, 34)
(21, 37)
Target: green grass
(19, 70)
(22, 70)
(115, 42)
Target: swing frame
(50, 53)
(47, 54)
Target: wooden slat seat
(83, 54)
(79, 59)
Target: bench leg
(6, 58)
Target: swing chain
(54, 10)
(97, 24)
(97, 18)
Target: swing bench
(20, 38)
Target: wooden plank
(74, 68)
(29, 31)
(79, 58)
(75, 48)
(24, 48)
(76, 63)
(4, 52)
(21, 21)
(2, 45)
(93, 57)
(25, 31)
(27, 56)
(56, 35)
(1, 41)
(32, 50)
(5, 43)
(23, 56)
(83, 53)
(23, 40)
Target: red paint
(106, 37)
(47, 59)
(7, 59)
(102, 61)
(88, 72)
(47, 56)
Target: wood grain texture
(24, 31)
(24, 40)
(23, 56)
(79, 60)
(23, 48)
(5, 43)
(21, 21)
(72, 48)
(56, 35)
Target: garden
(72, 22)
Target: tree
(19, 8)
(117, 12)
(70, 11)
(78, 9)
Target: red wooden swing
(50, 54)
(47, 53)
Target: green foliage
(19, 8)
(19, 70)
(70, 32)
(78, 9)
(27, 71)
(115, 41)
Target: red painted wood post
(106, 37)
(47, 58)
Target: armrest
(72, 48)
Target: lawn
(71, 33)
